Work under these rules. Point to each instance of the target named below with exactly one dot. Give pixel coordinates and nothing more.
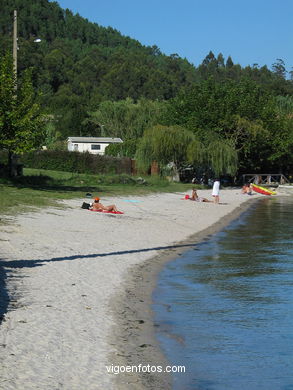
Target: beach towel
(107, 212)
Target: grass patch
(39, 188)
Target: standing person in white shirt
(216, 191)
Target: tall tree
(21, 123)
(229, 62)
(279, 68)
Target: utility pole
(15, 46)
(12, 158)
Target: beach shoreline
(82, 286)
(139, 344)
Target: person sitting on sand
(99, 206)
(246, 189)
(197, 198)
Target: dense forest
(93, 81)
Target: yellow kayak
(262, 190)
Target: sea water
(224, 310)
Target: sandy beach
(80, 286)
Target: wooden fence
(265, 179)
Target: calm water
(225, 309)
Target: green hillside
(91, 80)
(79, 64)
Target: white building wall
(70, 146)
(86, 147)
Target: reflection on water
(225, 309)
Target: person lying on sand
(197, 198)
(99, 206)
(246, 189)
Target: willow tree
(218, 156)
(21, 124)
(222, 158)
(125, 118)
(196, 153)
(165, 145)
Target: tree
(229, 62)
(125, 149)
(242, 113)
(174, 146)
(279, 68)
(217, 157)
(282, 138)
(209, 58)
(164, 144)
(21, 123)
(222, 158)
(125, 118)
(221, 60)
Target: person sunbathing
(100, 207)
(246, 189)
(197, 198)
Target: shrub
(126, 149)
(76, 162)
(3, 156)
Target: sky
(250, 31)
